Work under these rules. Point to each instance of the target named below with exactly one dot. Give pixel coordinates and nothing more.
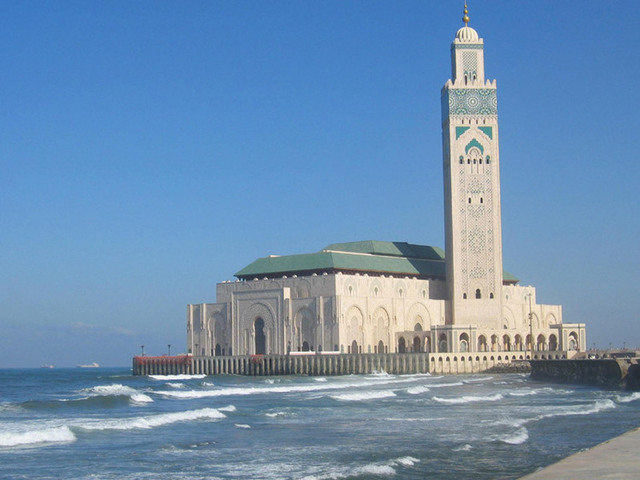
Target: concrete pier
(616, 459)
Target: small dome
(467, 34)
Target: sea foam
(176, 377)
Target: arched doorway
(442, 343)
(354, 347)
(402, 345)
(519, 345)
(261, 347)
(305, 346)
(380, 346)
(553, 342)
(573, 341)
(542, 343)
(416, 344)
(482, 343)
(464, 342)
(218, 350)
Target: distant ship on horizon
(90, 365)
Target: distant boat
(90, 365)
(46, 366)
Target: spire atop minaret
(465, 18)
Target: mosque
(395, 297)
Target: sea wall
(609, 373)
(263, 365)
(330, 364)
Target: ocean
(107, 424)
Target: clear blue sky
(151, 149)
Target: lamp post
(530, 326)
(169, 350)
(142, 349)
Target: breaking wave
(152, 421)
(363, 396)
(380, 469)
(520, 436)
(241, 425)
(523, 393)
(476, 380)
(597, 406)
(469, 399)
(417, 390)
(48, 435)
(261, 390)
(117, 390)
(628, 398)
(277, 414)
(464, 448)
(407, 461)
(175, 385)
(441, 385)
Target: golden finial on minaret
(465, 19)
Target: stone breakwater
(608, 373)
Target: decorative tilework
(488, 131)
(469, 101)
(467, 46)
(474, 143)
(460, 131)
(470, 62)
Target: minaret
(471, 187)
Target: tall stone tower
(473, 227)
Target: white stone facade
(361, 313)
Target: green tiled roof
(391, 258)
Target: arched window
(478, 294)
(464, 296)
